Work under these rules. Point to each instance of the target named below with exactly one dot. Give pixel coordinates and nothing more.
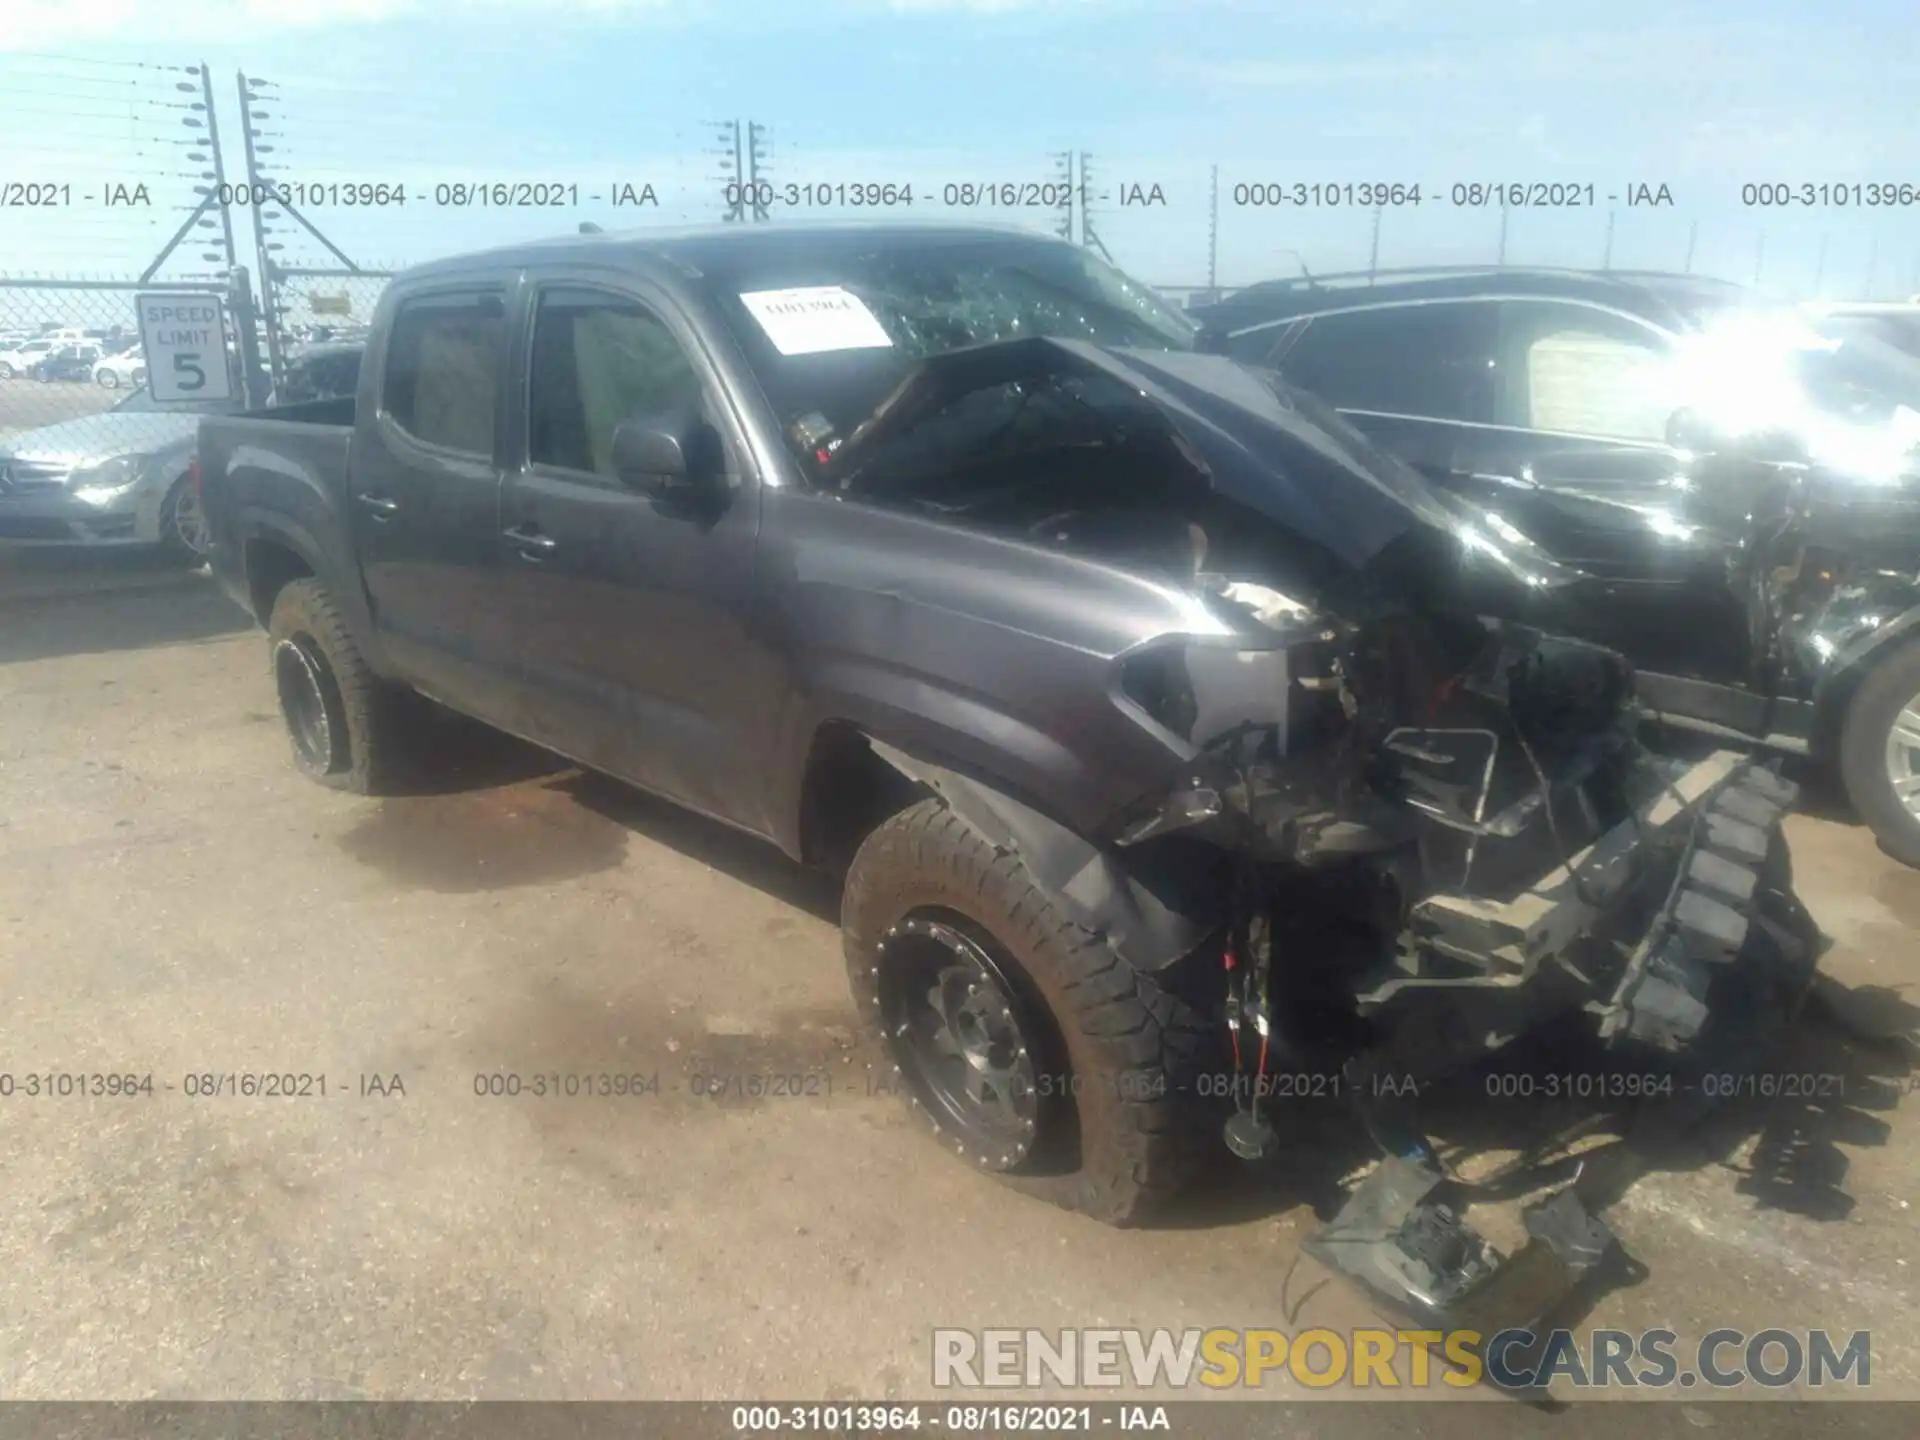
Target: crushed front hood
(1265, 447)
(1254, 439)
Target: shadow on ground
(1780, 1120)
(490, 812)
(1552, 1108)
(55, 603)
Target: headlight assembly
(1198, 691)
(107, 481)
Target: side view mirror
(674, 456)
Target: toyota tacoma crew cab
(1161, 726)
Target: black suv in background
(1740, 485)
(1897, 324)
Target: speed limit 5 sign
(185, 340)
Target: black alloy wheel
(310, 705)
(953, 1025)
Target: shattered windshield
(830, 335)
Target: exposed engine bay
(1451, 804)
(1405, 832)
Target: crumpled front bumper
(1695, 887)
(1703, 952)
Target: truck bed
(289, 463)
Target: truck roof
(703, 246)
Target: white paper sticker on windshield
(815, 318)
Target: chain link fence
(70, 349)
(309, 312)
(87, 454)
(52, 340)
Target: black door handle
(380, 505)
(531, 543)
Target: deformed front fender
(1150, 916)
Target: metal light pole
(269, 297)
(219, 165)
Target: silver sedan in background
(125, 476)
(122, 477)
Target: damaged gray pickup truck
(1169, 735)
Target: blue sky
(1698, 97)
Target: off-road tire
(1888, 687)
(372, 722)
(1121, 1132)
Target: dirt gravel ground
(176, 902)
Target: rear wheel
(1880, 753)
(348, 728)
(108, 380)
(1027, 1046)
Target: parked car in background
(1897, 324)
(16, 360)
(319, 371)
(126, 370)
(1742, 483)
(123, 477)
(73, 360)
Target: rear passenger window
(444, 354)
(599, 359)
(1426, 360)
(1581, 371)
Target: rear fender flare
(277, 528)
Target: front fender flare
(1151, 917)
(1852, 660)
